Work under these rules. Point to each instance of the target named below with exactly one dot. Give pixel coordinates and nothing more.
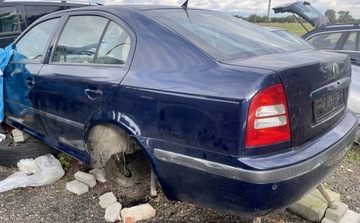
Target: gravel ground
(53, 203)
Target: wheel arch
(115, 122)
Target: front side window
(9, 21)
(325, 41)
(32, 45)
(83, 42)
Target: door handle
(92, 94)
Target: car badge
(336, 70)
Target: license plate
(328, 105)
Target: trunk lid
(305, 11)
(316, 86)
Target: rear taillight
(268, 118)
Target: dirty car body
(229, 115)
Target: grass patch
(64, 162)
(292, 27)
(353, 155)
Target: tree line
(334, 17)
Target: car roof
(339, 26)
(332, 28)
(117, 8)
(45, 2)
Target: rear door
(350, 46)
(87, 64)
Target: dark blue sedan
(229, 115)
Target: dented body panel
(187, 109)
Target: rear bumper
(265, 184)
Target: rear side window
(35, 12)
(325, 41)
(32, 45)
(114, 47)
(9, 21)
(83, 42)
(350, 43)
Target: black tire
(11, 152)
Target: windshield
(223, 36)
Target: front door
(20, 78)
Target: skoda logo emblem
(336, 70)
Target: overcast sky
(247, 7)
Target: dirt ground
(53, 203)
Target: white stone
(338, 213)
(112, 212)
(77, 187)
(137, 213)
(350, 216)
(312, 206)
(19, 136)
(85, 178)
(107, 199)
(99, 174)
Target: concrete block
(337, 214)
(19, 136)
(333, 195)
(85, 178)
(99, 174)
(107, 199)
(137, 213)
(350, 217)
(310, 208)
(112, 212)
(77, 187)
(326, 220)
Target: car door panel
(71, 89)
(21, 102)
(65, 112)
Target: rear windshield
(223, 36)
(307, 10)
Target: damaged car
(228, 115)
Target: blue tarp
(5, 55)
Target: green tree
(264, 19)
(254, 18)
(344, 17)
(331, 14)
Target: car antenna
(184, 5)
